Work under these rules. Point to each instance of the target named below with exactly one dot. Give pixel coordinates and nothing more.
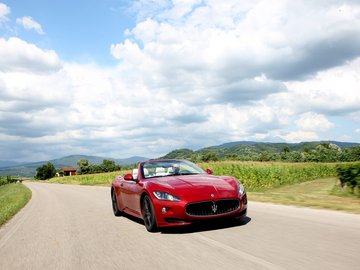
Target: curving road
(72, 227)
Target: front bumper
(174, 213)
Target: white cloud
(248, 43)
(314, 122)
(190, 74)
(300, 136)
(30, 24)
(334, 91)
(18, 55)
(4, 11)
(217, 49)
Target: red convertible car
(176, 192)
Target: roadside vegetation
(9, 180)
(13, 197)
(99, 179)
(324, 193)
(349, 175)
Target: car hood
(198, 187)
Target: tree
(210, 156)
(109, 166)
(264, 156)
(84, 167)
(46, 171)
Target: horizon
(194, 150)
(141, 78)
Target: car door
(132, 196)
(119, 189)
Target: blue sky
(76, 30)
(120, 78)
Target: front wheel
(149, 214)
(115, 207)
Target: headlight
(166, 196)
(241, 189)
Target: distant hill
(276, 145)
(248, 148)
(4, 163)
(231, 144)
(29, 169)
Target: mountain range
(29, 169)
(251, 147)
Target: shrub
(7, 180)
(349, 175)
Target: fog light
(164, 210)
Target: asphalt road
(72, 227)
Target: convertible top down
(175, 193)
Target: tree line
(324, 152)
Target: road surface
(72, 227)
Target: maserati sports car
(176, 192)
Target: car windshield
(169, 167)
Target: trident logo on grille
(214, 207)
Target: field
(258, 176)
(13, 197)
(255, 176)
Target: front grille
(212, 208)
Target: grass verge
(13, 197)
(100, 179)
(322, 193)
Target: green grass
(100, 179)
(325, 193)
(13, 197)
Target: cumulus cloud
(217, 50)
(190, 74)
(300, 136)
(261, 38)
(19, 55)
(333, 92)
(30, 24)
(4, 11)
(314, 122)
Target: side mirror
(209, 171)
(128, 177)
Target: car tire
(148, 213)
(115, 207)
